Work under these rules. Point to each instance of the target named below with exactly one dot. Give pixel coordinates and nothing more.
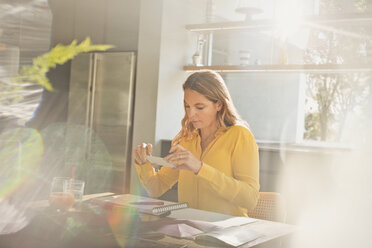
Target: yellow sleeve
(241, 189)
(156, 183)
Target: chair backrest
(270, 206)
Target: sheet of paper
(234, 221)
(159, 161)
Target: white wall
(164, 47)
(147, 78)
(177, 47)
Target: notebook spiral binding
(163, 209)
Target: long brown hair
(211, 85)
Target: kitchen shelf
(340, 19)
(311, 68)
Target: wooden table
(106, 236)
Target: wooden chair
(270, 206)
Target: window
(335, 99)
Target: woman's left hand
(183, 159)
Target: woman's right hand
(140, 153)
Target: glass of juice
(60, 197)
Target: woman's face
(201, 112)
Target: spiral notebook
(140, 203)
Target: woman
(215, 154)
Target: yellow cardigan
(228, 181)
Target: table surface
(271, 230)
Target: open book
(139, 203)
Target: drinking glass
(76, 188)
(60, 198)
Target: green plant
(60, 54)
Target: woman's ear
(219, 105)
